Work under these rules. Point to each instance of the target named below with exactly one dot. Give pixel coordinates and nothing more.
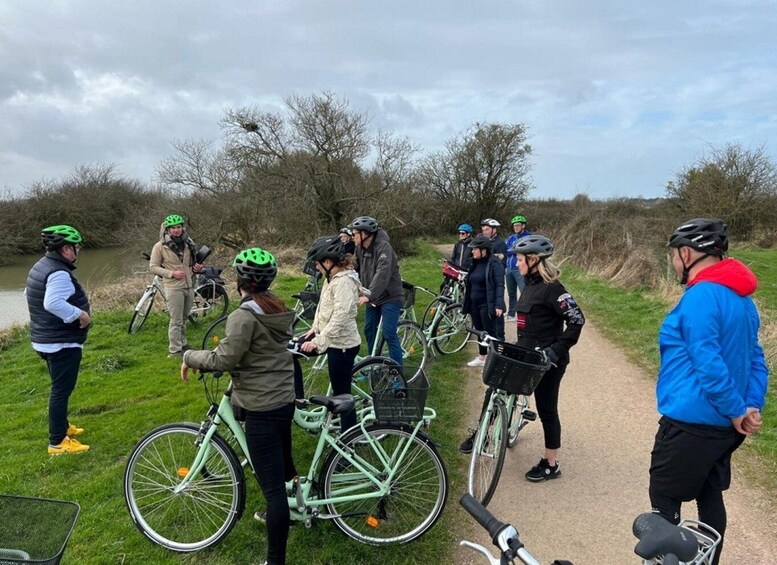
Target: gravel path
(607, 408)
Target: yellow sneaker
(68, 446)
(74, 430)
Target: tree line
(282, 178)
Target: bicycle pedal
(529, 415)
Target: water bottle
(397, 385)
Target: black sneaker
(542, 471)
(466, 445)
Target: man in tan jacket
(173, 259)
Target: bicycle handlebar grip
(480, 335)
(482, 516)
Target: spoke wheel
(215, 334)
(431, 311)
(199, 516)
(141, 312)
(416, 493)
(415, 348)
(517, 421)
(209, 304)
(488, 453)
(449, 333)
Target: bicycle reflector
(182, 472)
(372, 521)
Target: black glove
(552, 355)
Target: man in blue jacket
(59, 322)
(713, 377)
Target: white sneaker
(476, 362)
(510, 319)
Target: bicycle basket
(408, 290)
(396, 400)
(309, 302)
(513, 368)
(34, 530)
(452, 271)
(309, 268)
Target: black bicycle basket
(408, 290)
(34, 530)
(396, 400)
(512, 368)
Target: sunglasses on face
(463, 233)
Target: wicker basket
(399, 401)
(513, 368)
(34, 530)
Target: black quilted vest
(45, 327)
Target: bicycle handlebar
(482, 516)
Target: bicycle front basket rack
(34, 530)
(399, 401)
(512, 368)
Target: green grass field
(126, 388)
(631, 318)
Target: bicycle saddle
(660, 537)
(335, 404)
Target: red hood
(729, 273)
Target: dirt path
(607, 408)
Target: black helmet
(534, 245)
(708, 235)
(365, 223)
(327, 247)
(257, 267)
(481, 241)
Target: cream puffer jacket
(335, 320)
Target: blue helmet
(466, 227)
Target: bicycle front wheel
(209, 304)
(203, 513)
(488, 453)
(449, 333)
(215, 334)
(141, 312)
(517, 420)
(417, 491)
(431, 310)
(415, 348)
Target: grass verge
(127, 387)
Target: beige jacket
(254, 351)
(164, 261)
(335, 320)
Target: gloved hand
(552, 355)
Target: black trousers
(268, 435)
(340, 363)
(687, 466)
(63, 369)
(481, 321)
(546, 397)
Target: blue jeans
(390, 314)
(515, 282)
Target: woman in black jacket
(549, 318)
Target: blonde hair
(546, 268)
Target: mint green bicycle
(381, 482)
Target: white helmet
(490, 222)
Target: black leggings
(546, 397)
(481, 321)
(268, 434)
(340, 363)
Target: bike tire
(198, 517)
(430, 312)
(207, 309)
(516, 422)
(450, 330)
(215, 333)
(415, 348)
(418, 490)
(141, 312)
(488, 453)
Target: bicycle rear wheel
(199, 516)
(449, 333)
(215, 333)
(435, 305)
(210, 303)
(488, 453)
(415, 348)
(141, 312)
(417, 491)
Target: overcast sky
(617, 95)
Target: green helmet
(256, 266)
(57, 236)
(518, 220)
(174, 220)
